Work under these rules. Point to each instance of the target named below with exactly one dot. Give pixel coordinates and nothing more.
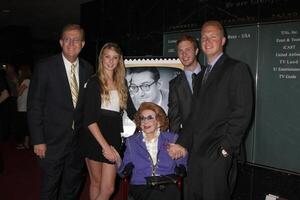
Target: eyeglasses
(144, 87)
(70, 41)
(148, 118)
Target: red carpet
(21, 177)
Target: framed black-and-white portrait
(148, 79)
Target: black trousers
(5, 120)
(62, 177)
(211, 178)
(144, 192)
(22, 127)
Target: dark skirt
(110, 127)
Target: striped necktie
(74, 85)
(207, 71)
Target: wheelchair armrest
(127, 171)
(180, 171)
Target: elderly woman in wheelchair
(153, 170)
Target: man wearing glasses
(145, 86)
(55, 104)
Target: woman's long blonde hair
(118, 76)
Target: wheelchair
(153, 181)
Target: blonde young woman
(106, 97)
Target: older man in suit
(221, 116)
(181, 87)
(55, 115)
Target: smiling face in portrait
(187, 54)
(212, 41)
(149, 123)
(143, 88)
(110, 59)
(71, 44)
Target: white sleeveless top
(113, 104)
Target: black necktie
(207, 71)
(194, 77)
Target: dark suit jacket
(222, 110)
(50, 108)
(180, 101)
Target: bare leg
(26, 142)
(107, 181)
(95, 172)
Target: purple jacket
(136, 152)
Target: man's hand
(176, 151)
(40, 150)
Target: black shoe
(20, 147)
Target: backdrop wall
(273, 53)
